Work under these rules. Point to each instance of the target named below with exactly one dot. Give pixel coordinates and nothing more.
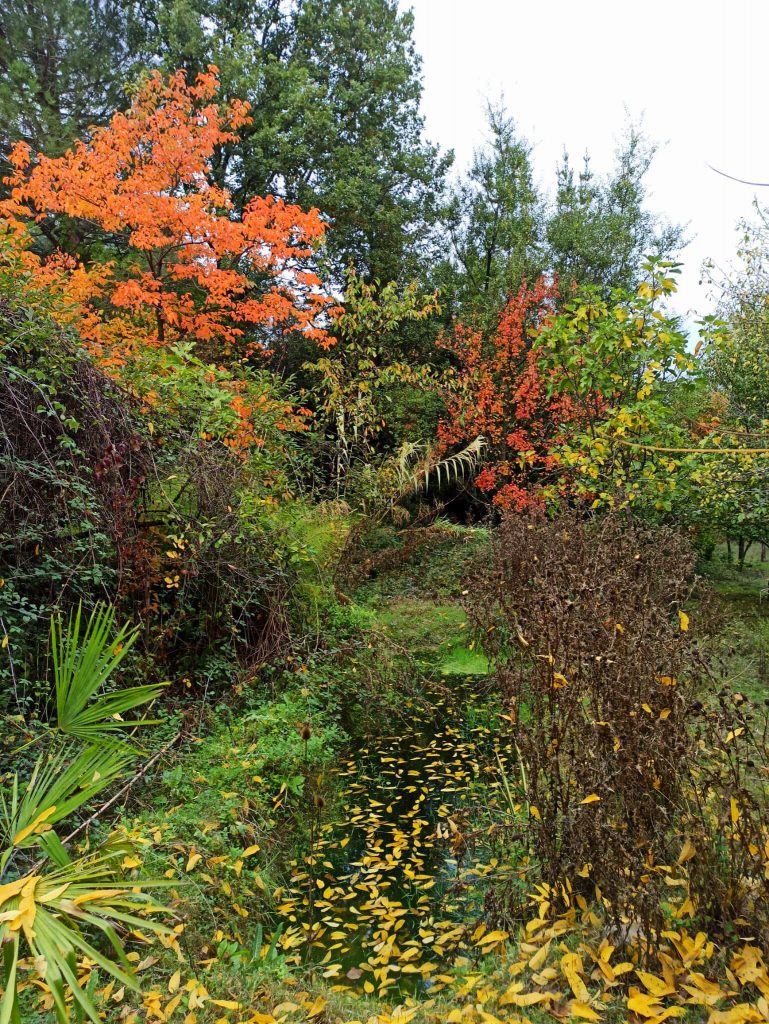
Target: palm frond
(59, 784)
(49, 911)
(82, 665)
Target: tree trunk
(743, 546)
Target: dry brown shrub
(581, 619)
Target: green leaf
(82, 665)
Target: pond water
(391, 891)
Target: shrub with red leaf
(502, 393)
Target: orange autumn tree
(186, 267)
(502, 393)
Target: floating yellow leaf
(578, 1009)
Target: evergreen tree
(494, 224)
(334, 87)
(600, 230)
(64, 65)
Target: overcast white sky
(696, 71)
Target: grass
(461, 661)
(742, 641)
(434, 633)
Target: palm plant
(50, 901)
(81, 666)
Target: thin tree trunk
(743, 546)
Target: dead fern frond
(449, 470)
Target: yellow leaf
(250, 851)
(688, 850)
(37, 826)
(194, 858)
(528, 998)
(578, 1009)
(539, 957)
(97, 894)
(318, 1006)
(11, 889)
(534, 812)
(171, 1005)
(54, 894)
(226, 1004)
(683, 621)
(643, 1004)
(590, 799)
(571, 967)
(735, 811)
(657, 986)
(492, 937)
(742, 1013)
(24, 916)
(174, 981)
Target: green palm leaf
(60, 783)
(82, 665)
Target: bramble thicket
(383, 621)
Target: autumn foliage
(501, 393)
(183, 265)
